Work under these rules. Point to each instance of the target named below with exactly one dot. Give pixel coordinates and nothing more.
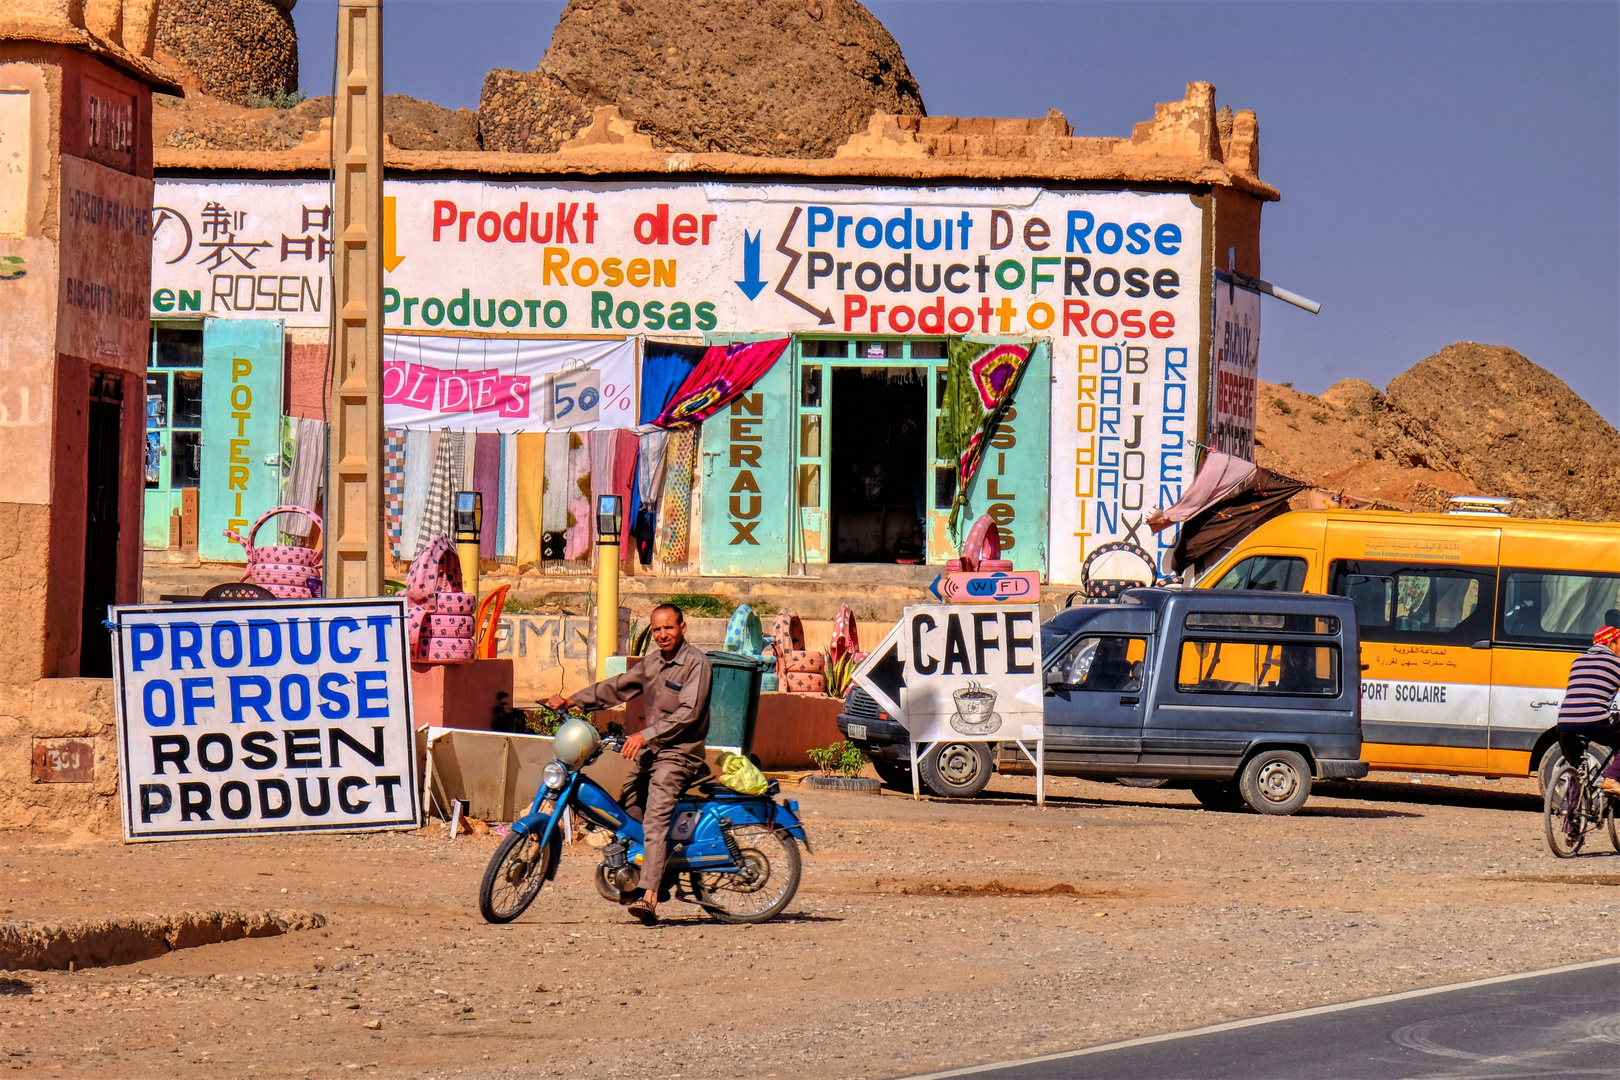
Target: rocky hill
(780, 78)
(230, 49)
(1470, 420)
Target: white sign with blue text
(264, 717)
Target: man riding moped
(668, 753)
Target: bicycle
(1575, 805)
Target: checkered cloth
(394, 485)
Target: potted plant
(841, 765)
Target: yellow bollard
(609, 519)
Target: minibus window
(1289, 623)
(1266, 573)
(1433, 605)
(1255, 667)
(1557, 608)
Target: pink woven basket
(449, 626)
(438, 619)
(291, 571)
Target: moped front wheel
(765, 885)
(515, 873)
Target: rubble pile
(201, 123)
(230, 49)
(776, 78)
(1472, 419)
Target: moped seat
(717, 790)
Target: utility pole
(354, 518)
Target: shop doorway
(879, 469)
(101, 523)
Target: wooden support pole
(354, 511)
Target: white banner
(1234, 369)
(265, 717)
(972, 673)
(508, 384)
(687, 258)
(256, 249)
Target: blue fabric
(664, 367)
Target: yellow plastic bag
(741, 775)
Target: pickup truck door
(1095, 711)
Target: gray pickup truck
(1244, 697)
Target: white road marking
(1237, 1025)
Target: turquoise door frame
(243, 360)
(1014, 478)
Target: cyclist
(1585, 715)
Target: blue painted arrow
(934, 588)
(752, 283)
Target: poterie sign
(972, 673)
(264, 717)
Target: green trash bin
(734, 699)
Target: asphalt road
(1564, 1022)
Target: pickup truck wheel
(1275, 782)
(1217, 795)
(895, 776)
(954, 770)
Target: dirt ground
(925, 935)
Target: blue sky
(1450, 170)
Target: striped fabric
(394, 484)
(1594, 678)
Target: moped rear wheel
(515, 873)
(769, 878)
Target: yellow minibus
(1468, 623)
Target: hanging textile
(447, 466)
(469, 462)
(421, 451)
(624, 485)
(1216, 529)
(532, 457)
(1219, 477)
(487, 482)
(651, 455)
(675, 514)
(664, 369)
(307, 475)
(979, 388)
(724, 373)
(393, 484)
(604, 455)
(509, 498)
(577, 544)
(555, 511)
(289, 454)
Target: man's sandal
(644, 911)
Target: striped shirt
(1593, 680)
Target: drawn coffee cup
(975, 710)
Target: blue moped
(734, 855)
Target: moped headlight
(554, 775)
